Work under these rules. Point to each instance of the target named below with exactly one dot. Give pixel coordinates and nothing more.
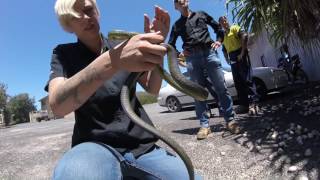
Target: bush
(146, 98)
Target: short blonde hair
(65, 11)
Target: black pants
(242, 76)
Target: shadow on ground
(193, 131)
(287, 129)
(190, 108)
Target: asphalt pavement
(282, 142)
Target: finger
(162, 15)
(146, 23)
(153, 59)
(148, 66)
(154, 23)
(154, 37)
(154, 49)
(158, 12)
(143, 66)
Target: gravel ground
(282, 142)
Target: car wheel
(261, 88)
(173, 104)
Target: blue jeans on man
(96, 161)
(199, 60)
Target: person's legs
(98, 161)
(242, 74)
(216, 76)
(88, 161)
(239, 73)
(252, 90)
(214, 95)
(196, 72)
(195, 67)
(163, 164)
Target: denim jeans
(199, 61)
(95, 161)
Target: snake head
(121, 35)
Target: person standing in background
(236, 54)
(201, 56)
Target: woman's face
(88, 23)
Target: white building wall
(262, 47)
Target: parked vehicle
(39, 116)
(293, 67)
(266, 79)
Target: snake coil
(175, 79)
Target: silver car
(266, 80)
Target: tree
(284, 20)
(3, 96)
(19, 107)
(3, 103)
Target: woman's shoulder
(66, 46)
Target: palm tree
(284, 20)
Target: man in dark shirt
(106, 144)
(201, 55)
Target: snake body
(175, 79)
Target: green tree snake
(175, 79)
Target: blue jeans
(93, 161)
(207, 59)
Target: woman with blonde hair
(86, 79)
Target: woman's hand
(140, 53)
(143, 52)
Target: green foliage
(6, 117)
(19, 107)
(146, 98)
(3, 96)
(285, 20)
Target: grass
(146, 98)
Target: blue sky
(30, 30)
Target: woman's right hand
(140, 53)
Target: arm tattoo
(72, 89)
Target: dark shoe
(241, 109)
(203, 133)
(233, 127)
